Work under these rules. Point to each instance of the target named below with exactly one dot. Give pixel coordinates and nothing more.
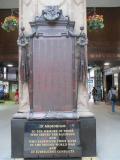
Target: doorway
(108, 82)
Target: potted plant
(95, 22)
(10, 23)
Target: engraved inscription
(59, 138)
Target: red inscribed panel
(52, 74)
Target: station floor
(107, 123)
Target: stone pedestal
(84, 145)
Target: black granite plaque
(52, 139)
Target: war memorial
(53, 121)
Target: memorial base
(76, 135)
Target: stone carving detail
(55, 16)
(82, 38)
(24, 66)
(22, 40)
(51, 13)
(82, 42)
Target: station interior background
(103, 72)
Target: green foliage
(95, 22)
(10, 23)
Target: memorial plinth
(54, 128)
(53, 135)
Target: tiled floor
(6, 111)
(108, 130)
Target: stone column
(76, 10)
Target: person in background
(2, 94)
(112, 97)
(94, 93)
(16, 96)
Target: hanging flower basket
(10, 23)
(95, 22)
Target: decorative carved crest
(51, 13)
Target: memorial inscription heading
(52, 139)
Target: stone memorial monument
(53, 121)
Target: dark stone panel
(17, 137)
(52, 138)
(88, 136)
